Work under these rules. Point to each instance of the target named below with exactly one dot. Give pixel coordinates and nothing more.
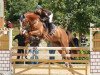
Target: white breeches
(50, 18)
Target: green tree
(76, 15)
(18, 7)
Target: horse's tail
(71, 42)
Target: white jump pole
(10, 38)
(91, 37)
(58, 48)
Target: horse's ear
(25, 17)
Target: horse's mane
(31, 15)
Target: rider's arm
(45, 13)
(45, 16)
(15, 39)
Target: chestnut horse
(35, 27)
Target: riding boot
(51, 28)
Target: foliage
(76, 15)
(17, 7)
(83, 52)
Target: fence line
(56, 61)
(69, 55)
(52, 48)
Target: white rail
(53, 48)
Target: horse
(35, 27)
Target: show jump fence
(47, 61)
(94, 55)
(7, 57)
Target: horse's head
(29, 19)
(32, 24)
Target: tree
(76, 15)
(17, 7)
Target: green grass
(15, 31)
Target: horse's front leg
(36, 33)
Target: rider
(46, 16)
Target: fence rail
(52, 48)
(45, 61)
(70, 55)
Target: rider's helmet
(38, 9)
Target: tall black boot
(51, 28)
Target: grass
(15, 31)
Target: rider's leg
(51, 28)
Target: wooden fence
(57, 62)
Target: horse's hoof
(70, 66)
(66, 64)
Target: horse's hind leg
(63, 54)
(65, 43)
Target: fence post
(91, 38)
(10, 38)
(49, 69)
(10, 46)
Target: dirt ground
(53, 71)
